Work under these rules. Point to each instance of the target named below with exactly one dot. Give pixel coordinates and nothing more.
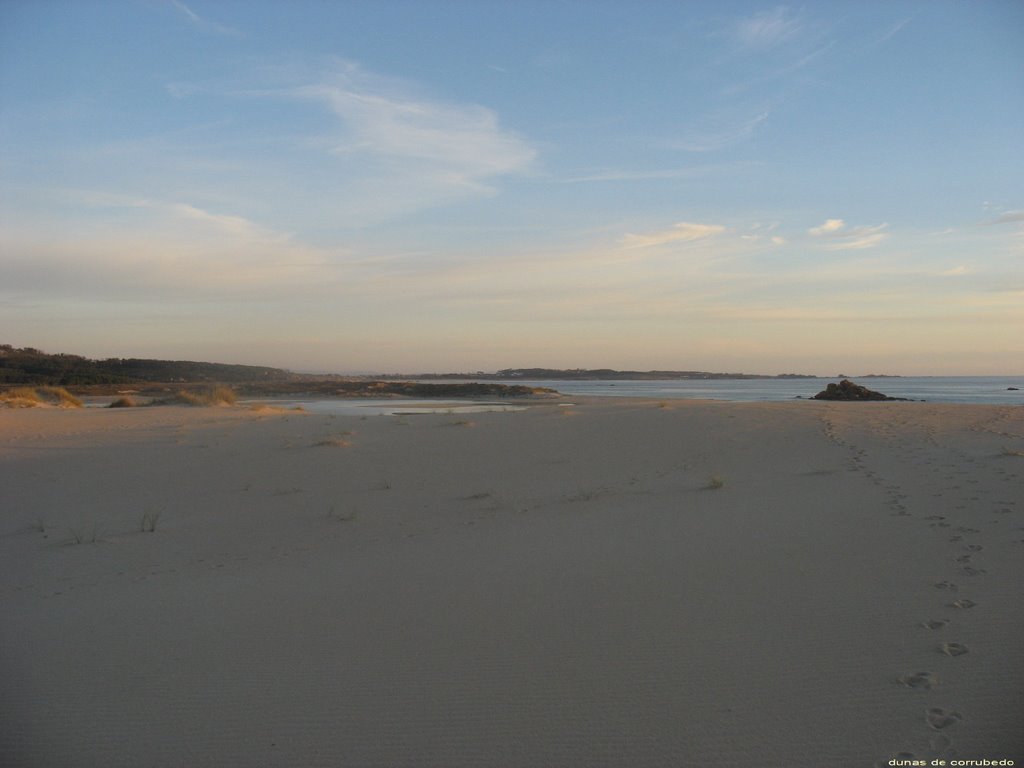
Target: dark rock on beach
(847, 390)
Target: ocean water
(993, 390)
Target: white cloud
(681, 232)
(830, 226)
(231, 225)
(839, 237)
(453, 146)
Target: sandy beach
(613, 583)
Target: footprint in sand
(953, 649)
(934, 623)
(946, 585)
(973, 571)
(964, 558)
(973, 547)
(919, 680)
(939, 718)
(962, 603)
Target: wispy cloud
(141, 248)
(955, 271)
(648, 175)
(829, 227)
(768, 28)
(719, 131)
(1009, 217)
(836, 236)
(382, 146)
(205, 25)
(894, 29)
(681, 232)
(458, 146)
(236, 226)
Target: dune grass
(34, 397)
(333, 442)
(202, 397)
(92, 535)
(149, 520)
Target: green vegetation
(32, 366)
(29, 366)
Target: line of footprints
(937, 718)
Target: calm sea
(934, 389)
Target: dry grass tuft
(29, 397)
(205, 397)
(715, 483)
(20, 397)
(333, 442)
(123, 402)
(60, 396)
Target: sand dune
(615, 583)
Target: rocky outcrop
(847, 390)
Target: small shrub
(208, 396)
(333, 442)
(715, 483)
(149, 521)
(87, 536)
(123, 402)
(333, 514)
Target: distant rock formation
(847, 390)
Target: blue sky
(429, 186)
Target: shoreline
(624, 581)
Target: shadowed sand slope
(609, 584)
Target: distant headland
(594, 374)
(28, 365)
